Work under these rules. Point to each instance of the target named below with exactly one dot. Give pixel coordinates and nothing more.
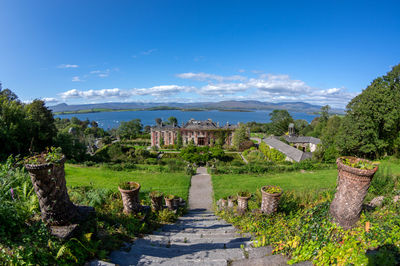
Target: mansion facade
(198, 132)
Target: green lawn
(97, 177)
(225, 185)
(229, 184)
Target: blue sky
(321, 52)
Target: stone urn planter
(169, 202)
(48, 179)
(231, 202)
(243, 198)
(354, 179)
(270, 199)
(130, 196)
(156, 200)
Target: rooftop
(289, 151)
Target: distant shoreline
(160, 108)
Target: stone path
(198, 238)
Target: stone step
(195, 245)
(181, 237)
(197, 226)
(182, 262)
(140, 255)
(199, 232)
(187, 241)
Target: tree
(130, 129)
(328, 149)
(372, 122)
(280, 120)
(172, 120)
(325, 113)
(14, 128)
(179, 141)
(241, 135)
(158, 121)
(300, 125)
(42, 125)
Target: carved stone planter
(48, 179)
(352, 187)
(242, 203)
(231, 202)
(270, 201)
(130, 198)
(156, 201)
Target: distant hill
(222, 105)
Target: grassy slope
(169, 183)
(225, 185)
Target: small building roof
(289, 151)
(165, 126)
(302, 139)
(206, 125)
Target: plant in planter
(270, 199)
(354, 179)
(169, 201)
(243, 198)
(48, 178)
(156, 200)
(130, 196)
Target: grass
(225, 185)
(98, 177)
(315, 180)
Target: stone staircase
(197, 238)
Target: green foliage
(241, 135)
(371, 126)
(24, 239)
(155, 194)
(42, 126)
(201, 155)
(24, 128)
(244, 194)
(272, 189)
(280, 120)
(302, 229)
(358, 163)
(130, 129)
(253, 155)
(271, 154)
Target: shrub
(247, 144)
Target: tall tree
(280, 120)
(172, 120)
(42, 125)
(372, 122)
(241, 135)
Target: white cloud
(95, 94)
(76, 79)
(266, 87)
(206, 77)
(50, 100)
(68, 66)
(165, 90)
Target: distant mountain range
(222, 105)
